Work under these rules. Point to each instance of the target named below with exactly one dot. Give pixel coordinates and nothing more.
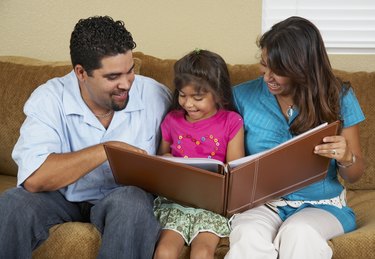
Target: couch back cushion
(362, 82)
(364, 87)
(19, 76)
(162, 70)
(159, 69)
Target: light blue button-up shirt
(58, 121)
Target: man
(63, 173)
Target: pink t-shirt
(207, 138)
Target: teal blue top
(265, 127)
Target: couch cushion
(364, 86)
(242, 73)
(159, 69)
(360, 243)
(70, 240)
(17, 81)
(19, 76)
(162, 70)
(6, 182)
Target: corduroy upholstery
(19, 76)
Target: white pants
(260, 233)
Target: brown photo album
(226, 188)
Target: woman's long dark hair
(295, 49)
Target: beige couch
(19, 76)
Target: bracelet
(348, 164)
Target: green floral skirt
(189, 222)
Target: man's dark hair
(97, 37)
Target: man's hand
(126, 146)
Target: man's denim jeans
(124, 217)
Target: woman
(297, 92)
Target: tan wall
(165, 28)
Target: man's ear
(80, 73)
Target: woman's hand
(346, 149)
(335, 147)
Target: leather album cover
(231, 188)
(279, 171)
(185, 184)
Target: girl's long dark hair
(208, 72)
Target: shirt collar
(135, 97)
(72, 100)
(74, 104)
(270, 100)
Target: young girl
(202, 123)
